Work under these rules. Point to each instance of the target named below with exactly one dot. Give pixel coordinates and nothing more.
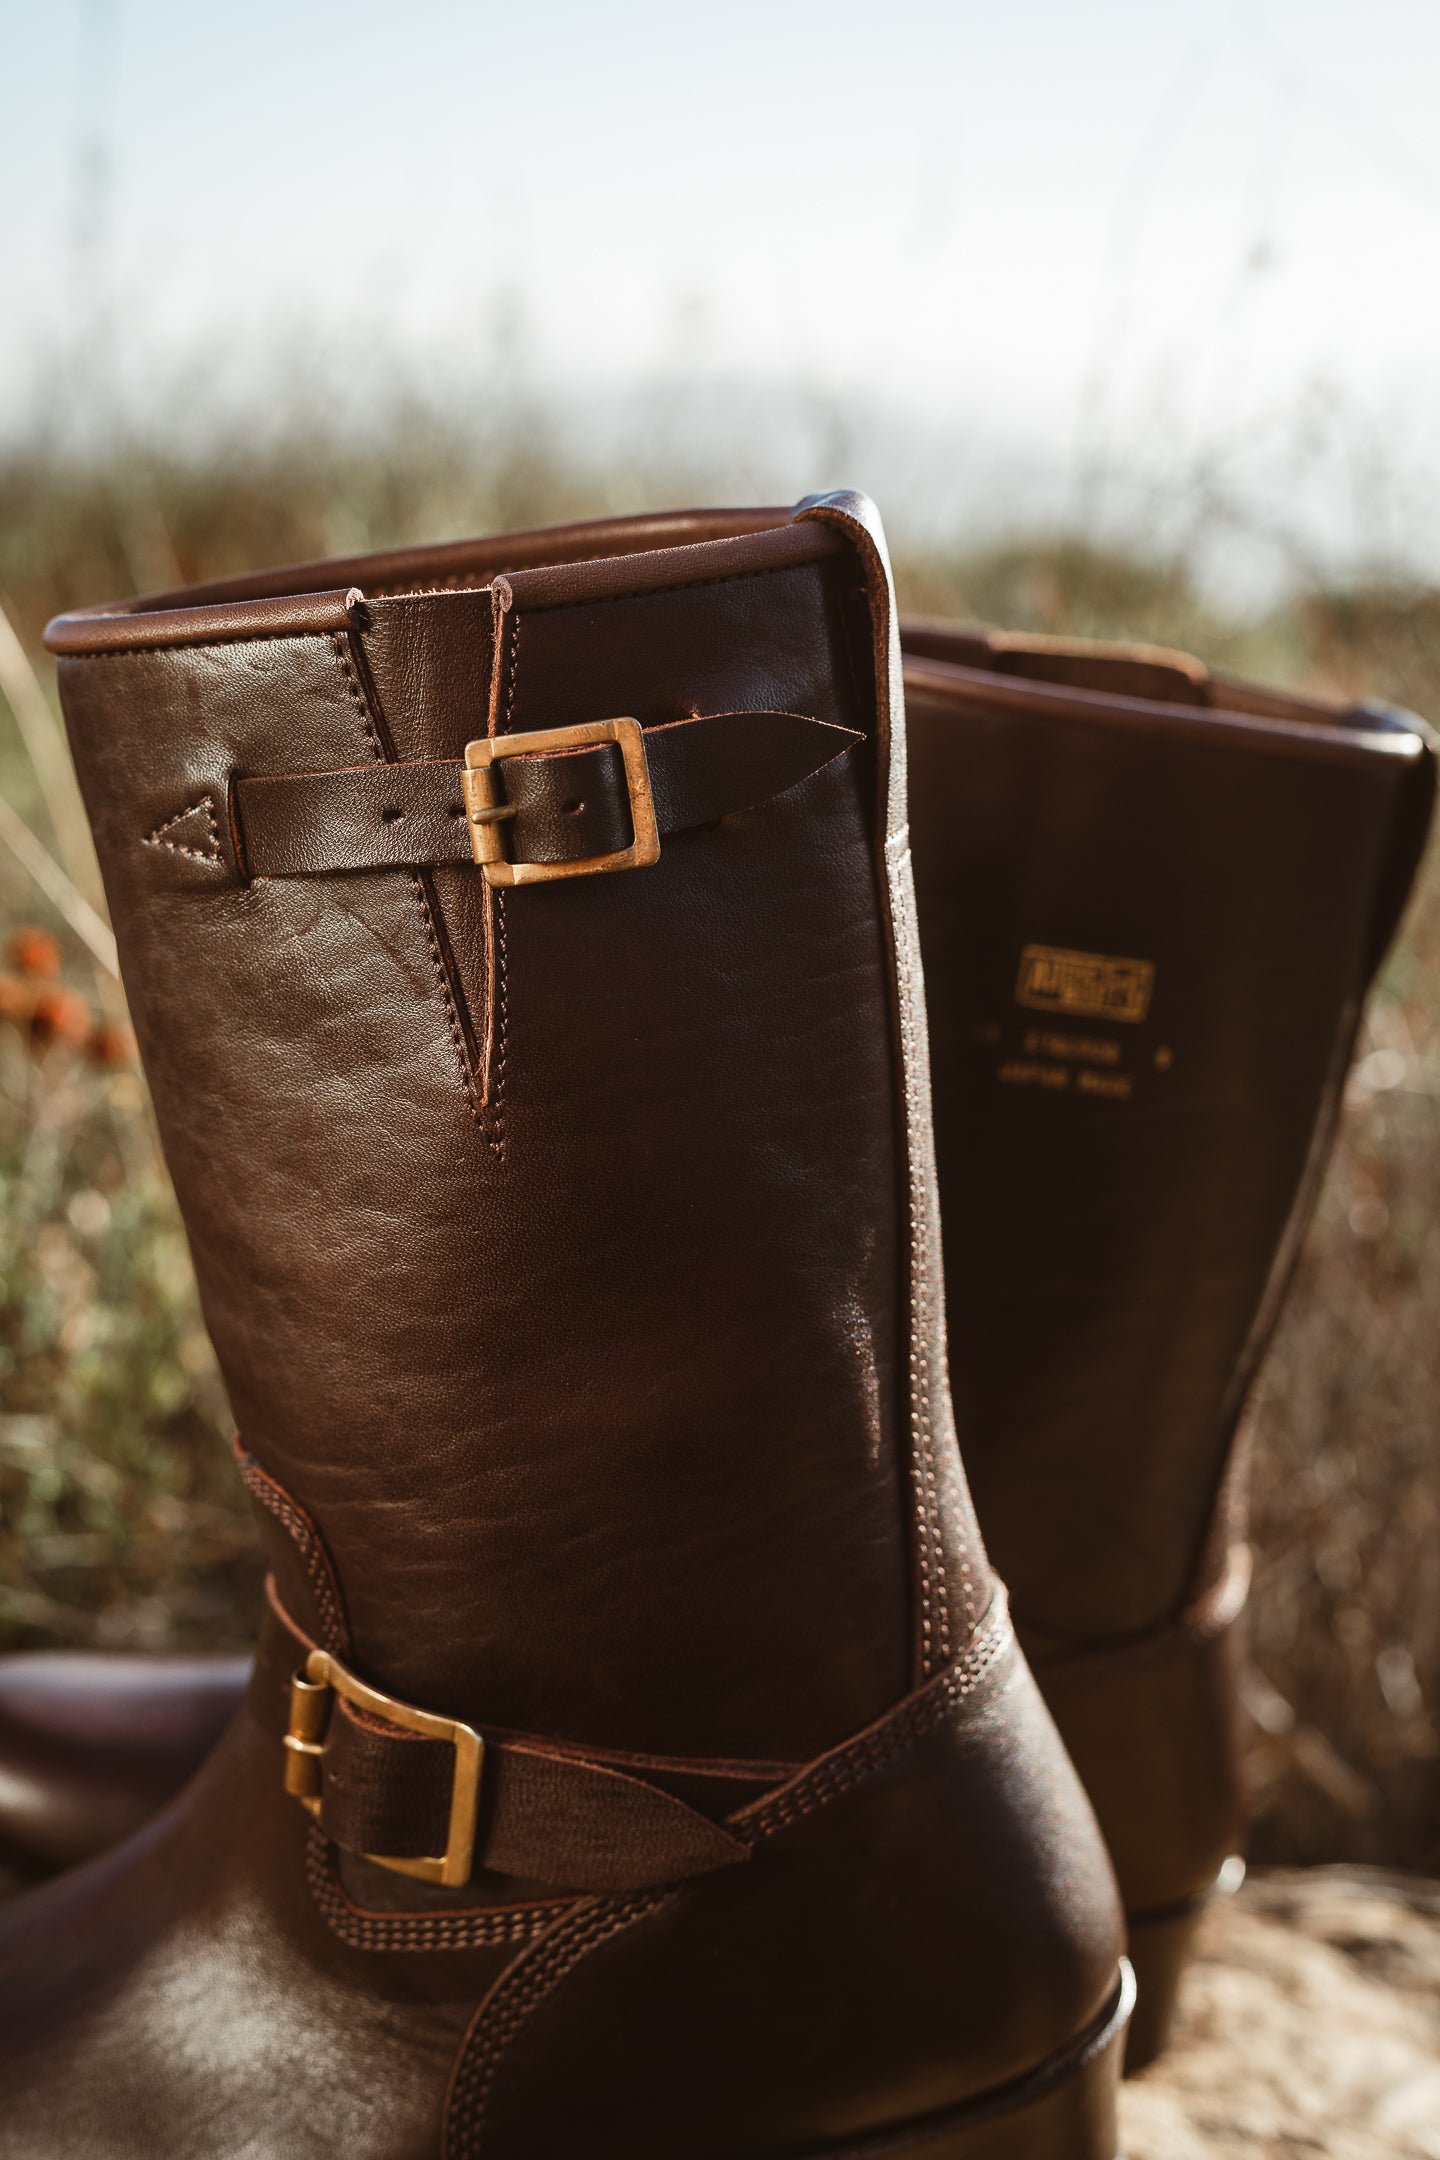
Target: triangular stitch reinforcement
(193, 832)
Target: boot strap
(554, 802)
(426, 1796)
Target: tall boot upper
(570, 1247)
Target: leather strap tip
(621, 1873)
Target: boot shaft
(556, 1244)
(1151, 905)
(572, 1256)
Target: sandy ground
(1310, 2025)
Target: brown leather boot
(571, 1260)
(1151, 903)
(1223, 852)
(92, 1744)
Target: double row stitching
(518, 1991)
(418, 1931)
(930, 1550)
(525, 1984)
(305, 1536)
(841, 1772)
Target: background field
(120, 1519)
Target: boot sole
(1065, 2110)
(1161, 1946)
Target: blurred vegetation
(120, 1518)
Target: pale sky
(1033, 237)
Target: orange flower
(110, 1044)
(34, 952)
(60, 1016)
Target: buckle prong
(323, 1677)
(485, 809)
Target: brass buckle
(310, 1692)
(485, 809)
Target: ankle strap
(426, 1796)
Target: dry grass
(1309, 2024)
(119, 1517)
(120, 1520)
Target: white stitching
(213, 854)
(930, 1547)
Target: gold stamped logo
(1095, 984)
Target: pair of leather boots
(638, 1757)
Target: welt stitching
(176, 847)
(452, 1017)
(415, 1931)
(516, 1994)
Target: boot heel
(1160, 1949)
(1067, 2110)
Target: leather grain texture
(1214, 832)
(570, 1255)
(376, 1087)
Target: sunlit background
(1126, 267)
(1126, 313)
